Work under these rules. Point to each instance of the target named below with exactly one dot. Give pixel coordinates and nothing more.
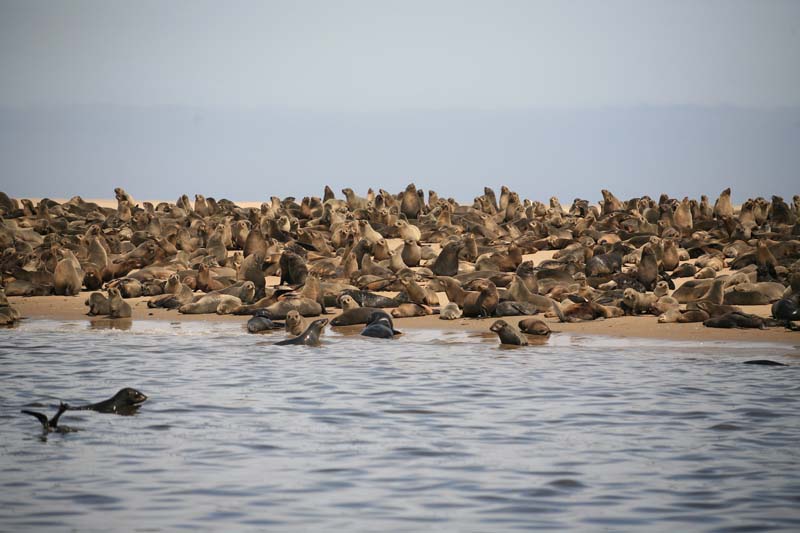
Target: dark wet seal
(310, 337)
(726, 427)
(125, 402)
(50, 425)
(764, 362)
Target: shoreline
(629, 327)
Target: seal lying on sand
(534, 326)
(125, 402)
(310, 337)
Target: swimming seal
(125, 402)
(310, 337)
(51, 425)
(508, 334)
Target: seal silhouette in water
(51, 425)
(310, 337)
(125, 402)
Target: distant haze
(245, 100)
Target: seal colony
(679, 261)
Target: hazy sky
(386, 57)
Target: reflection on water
(435, 430)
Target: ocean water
(435, 430)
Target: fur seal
(346, 302)
(68, 281)
(222, 304)
(786, 309)
(763, 362)
(125, 402)
(511, 308)
(682, 317)
(359, 315)
(51, 425)
(304, 306)
(8, 314)
(295, 324)
(98, 304)
(534, 326)
(310, 337)
(451, 311)
(736, 320)
(118, 308)
(261, 322)
(408, 310)
(380, 326)
(509, 334)
(446, 263)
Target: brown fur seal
(412, 253)
(346, 302)
(68, 281)
(118, 308)
(682, 317)
(736, 320)
(293, 269)
(534, 326)
(446, 263)
(295, 324)
(8, 314)
(304, 306)
(408, 310)
(98, 304)
(222, 304)
(638, 303)
(508, 333)
(359, 315)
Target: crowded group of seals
(414, 255)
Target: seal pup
(125, 402)
(508, 333)
(51, 425)
(295, 324)
(451, 311)
(310, 337)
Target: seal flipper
(62, 407)
(559, 312)
(39, 416)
